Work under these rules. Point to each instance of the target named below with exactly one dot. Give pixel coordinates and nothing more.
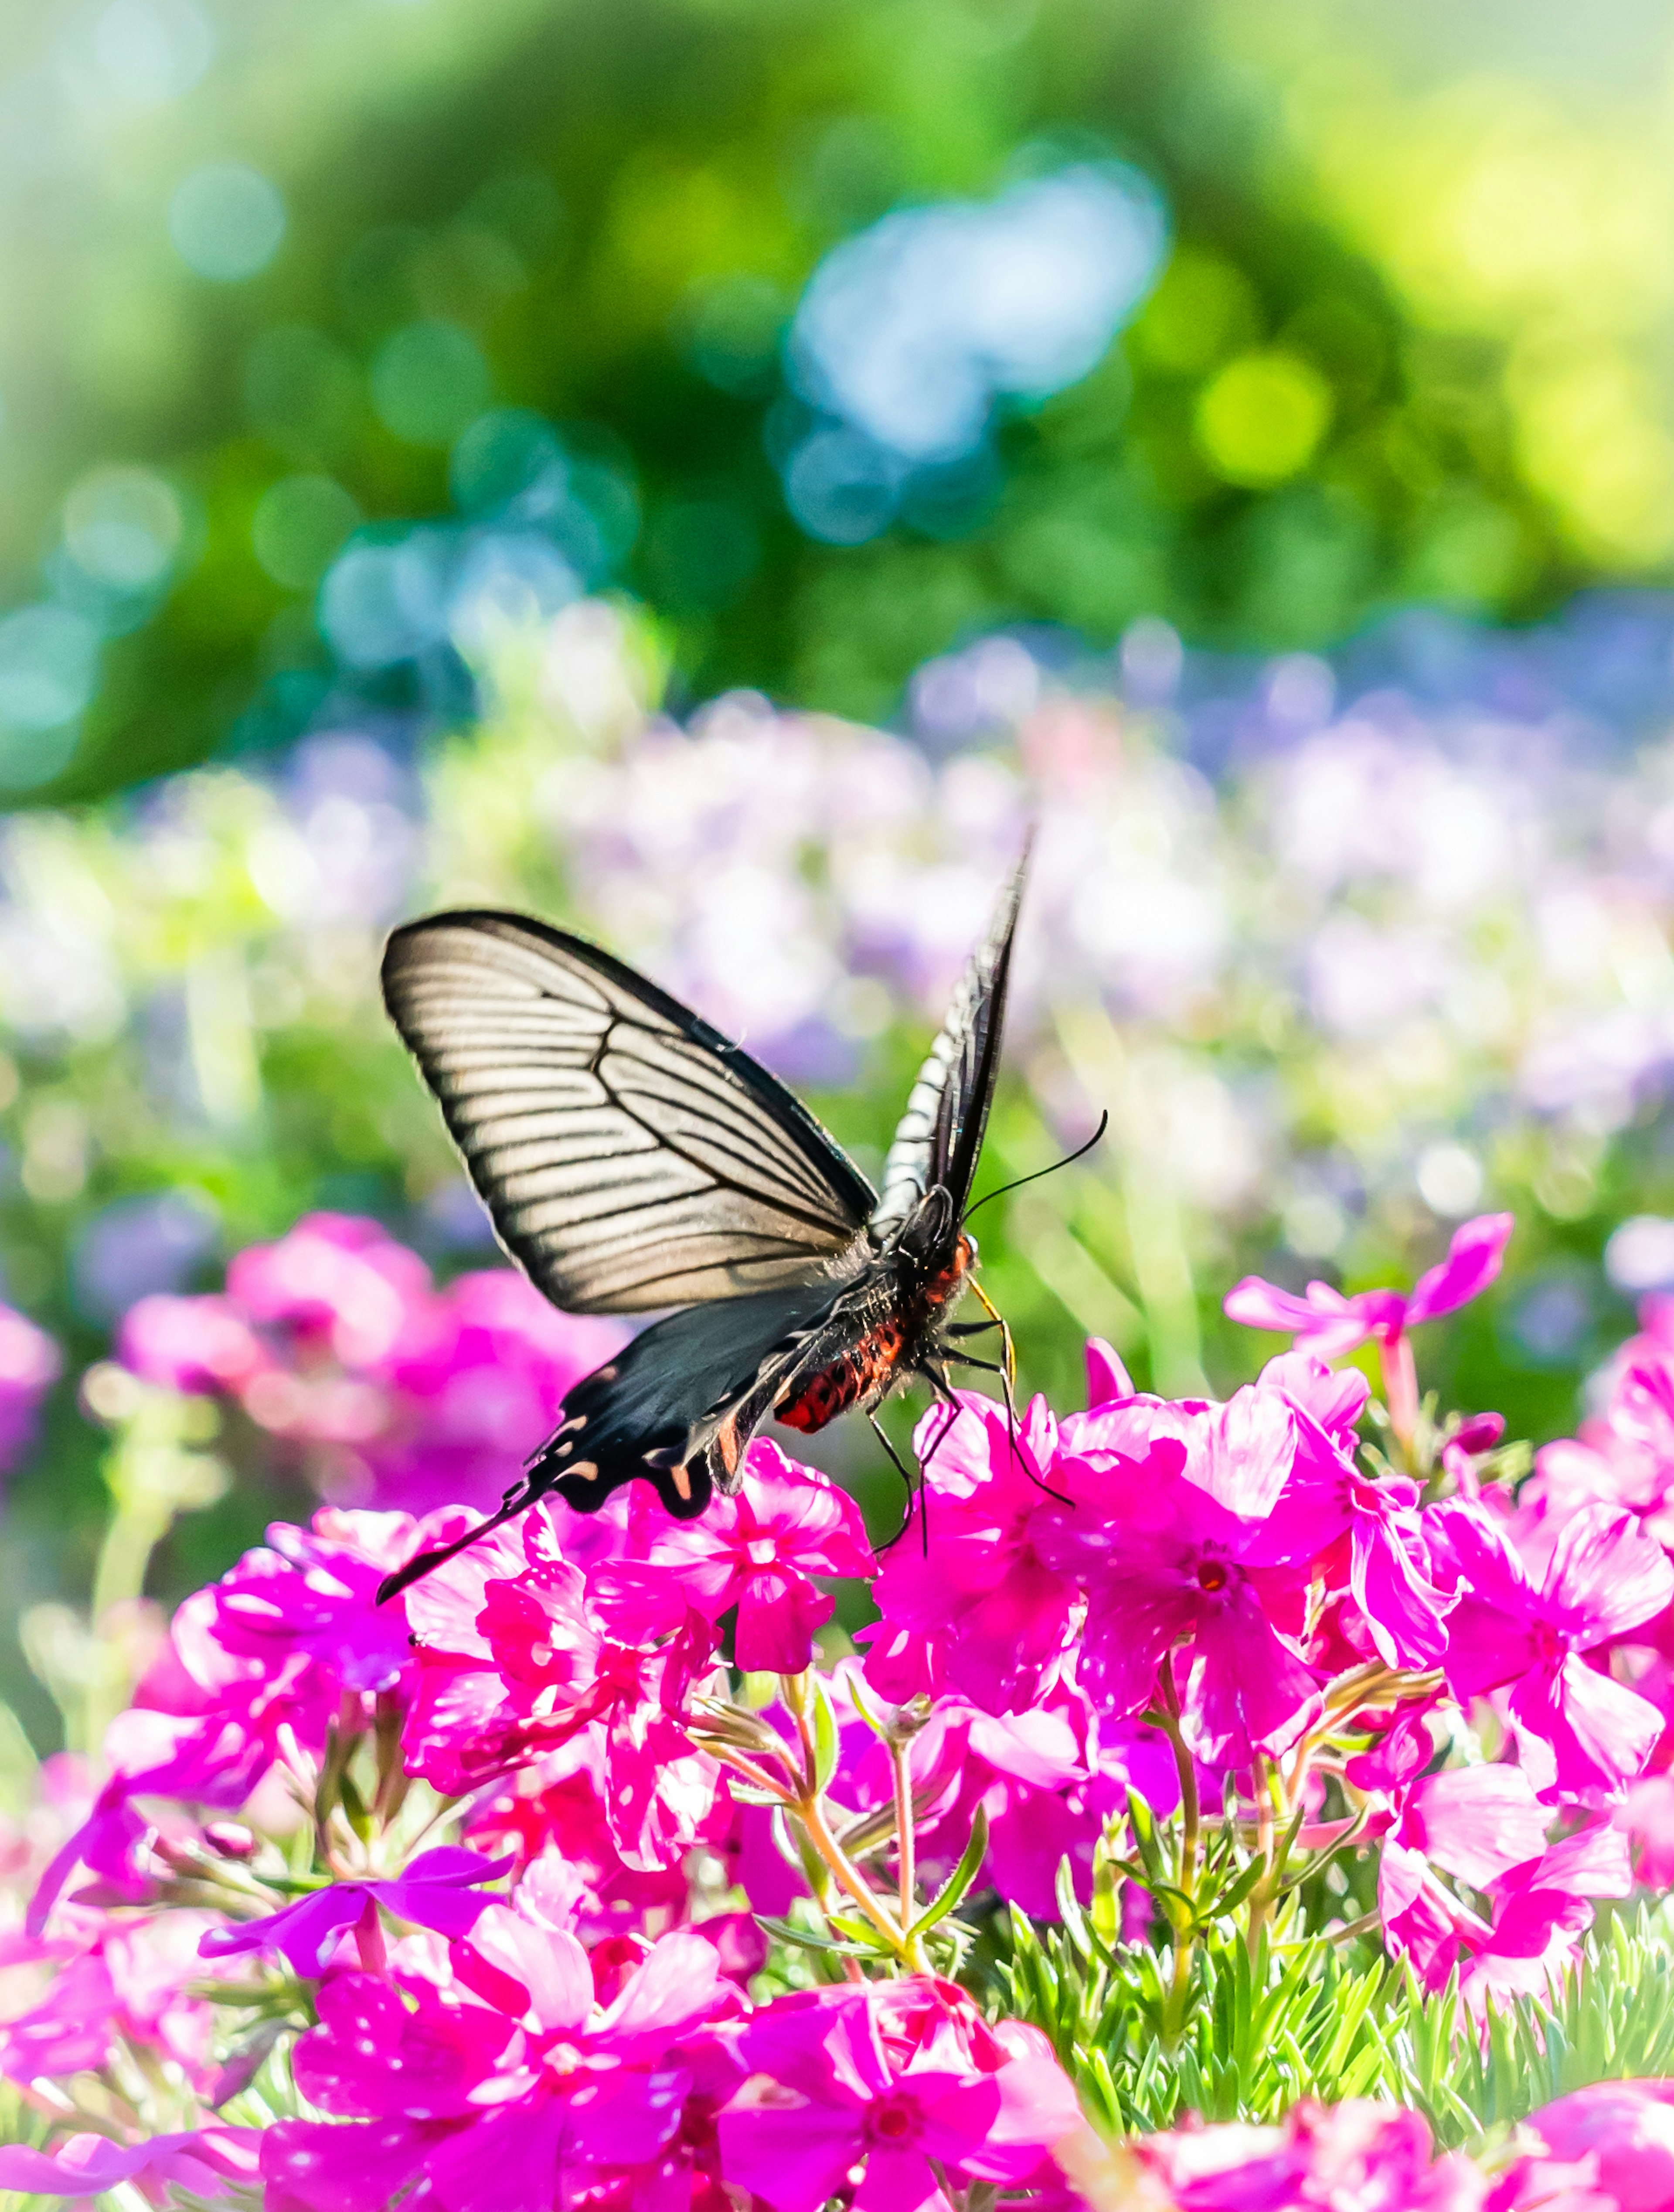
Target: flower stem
(1179, 1985)
(905, 1840)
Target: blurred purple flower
(439, 1890)
(30, 1363)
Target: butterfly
(633, 1159)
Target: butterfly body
(633, 1160)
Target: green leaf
(953, 1890)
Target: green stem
(904, 1839)
(1179, 1985)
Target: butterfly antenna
(1068, 1160)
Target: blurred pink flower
(202, 1344)
(1621, 2134)
(1325, 1323)
(30, 1363)
(979, 1589)
(906, 2076)
(756, 1550)
(1646, 1818)
(204, 2161)
(439, 1890)
(1583, 1736)
(131, 1981)
(1356, 2154)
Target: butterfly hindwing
(631, 1158)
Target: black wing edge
(846, 1180)
(968, 1123)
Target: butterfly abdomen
(865, 1372)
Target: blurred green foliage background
(1430, 246)
(316, 310)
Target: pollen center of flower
(1212, 1575)
(762, 1551)
(891, 2121)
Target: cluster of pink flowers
(336, 1344)
(581, 1872)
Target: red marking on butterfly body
(863, 1373)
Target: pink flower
(995, 1611)
(1328, 1324)
(513, 2089)
(30, 1363)
(1170, 1507)
(202, 1344)
(276, 1644)
(437, 1891)
(340, 1280)
(1583, 1735)
(1623, 2132)
(130, 1983)
(204, 2161)
(1646, 1818)
(518, 1652)
(904, 2076)
(757, 1551)
(1360, 2156)
(1399, 1590)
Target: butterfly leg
(900, 1467)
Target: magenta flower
(757, 1551)
(512, 2090)
(201, 1345)
(30, 1363)
(1353, 2155)
(128, 1985)
(1476, 1822)
(1619, 2134)
(1583, 1736)
(995, 1613)
(904, 2077)
(514, 1663)
(205, 2161)
(1327, 1323)
(1165, 1535)
(437, 1891)
(1403, 1593)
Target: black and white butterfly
(633, 1159)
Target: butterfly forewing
(630, 1157)
(939, 1136)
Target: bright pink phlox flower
(1360, 2156)
(1333, 1398)
(550, 1651)
(1625, 2132)
(1401, 1592)
(336, 1276)
(1162, 1544)
(204, 2161)
(437, 1891)
(558, 1807)
(1034, 1826)
(756, 1550)
(1542, 1910)
(201, 1345)
(1476, 1822)
(314, 1591)
(996, 1611)
(506, 2103)
(1325, 1323)
(1583, 1736)
(900, 2075)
